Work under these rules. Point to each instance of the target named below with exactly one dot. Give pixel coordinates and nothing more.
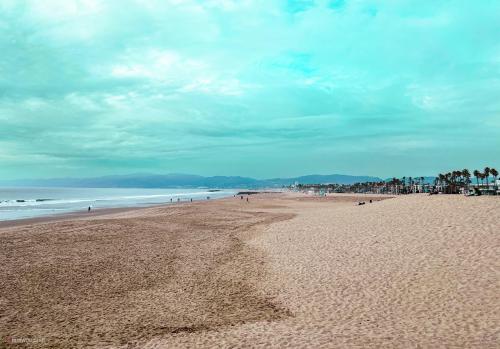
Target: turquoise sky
(253, 88)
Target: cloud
(236, 87)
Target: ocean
(18, 203)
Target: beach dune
(283, 270)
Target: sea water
(17, 203)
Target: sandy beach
(283, 270)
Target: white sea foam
(18, 203)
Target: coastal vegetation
(453, 182)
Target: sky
(252, 88)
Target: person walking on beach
(88, 209)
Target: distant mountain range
(186, 181)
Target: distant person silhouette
(88, 209)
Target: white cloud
(83, 102)
(186, 75)
(211, 85)
(56, 10)
(155, 64)
(34, 104)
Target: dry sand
(280, 271)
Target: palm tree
(494, 172)
(460, 177)
(466, 175)
(447, 179)
(394, 187)
(477, 174)
(487, 175)
(441, 181)
(460, 182)
(453, 180)
(456, 180)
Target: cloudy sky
(256, 88)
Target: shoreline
(95, 212)
(58, 217)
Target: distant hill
(185, 181)
(323, 179)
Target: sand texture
(280, 271)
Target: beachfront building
(483, 188)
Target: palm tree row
(485, 175)
(453, 181)
(407, 185)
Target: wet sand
(279, 271)
(65, 216)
